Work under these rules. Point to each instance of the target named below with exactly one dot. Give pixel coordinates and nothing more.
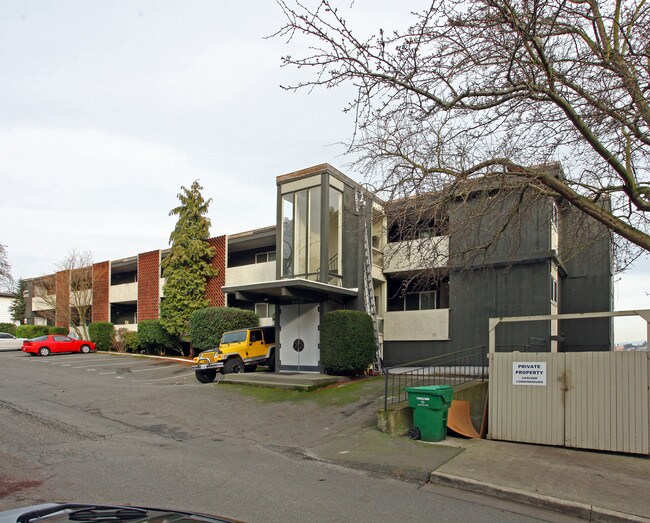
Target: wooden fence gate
(591, 400)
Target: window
(263, 257)
(426, 233)
(255, 336)
(415, 301)
(554, 290)
(427, 300)
(61, 338)
(265, 310)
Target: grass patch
(333, 395)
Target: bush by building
(154, 339)
(59, 330)
(32, 331)
(347, 342)
(9, 328)
(207, 325)
(126, 340)
(102, 333)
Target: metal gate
(592, 400)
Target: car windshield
(233, 337)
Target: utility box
(430, 406)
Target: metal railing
(447, 369)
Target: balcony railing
(416, 255)
(424, 325)
(124, 292)
(252, 273)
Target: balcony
(416, 255)
(427, 325)
(125, 292)
(253, 273)
(43, 304)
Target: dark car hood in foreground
(74, 512)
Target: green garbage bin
(430, 406)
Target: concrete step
(282, 380)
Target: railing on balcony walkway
(447, 369)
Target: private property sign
(529, 373)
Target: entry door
(299, 338)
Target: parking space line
(108, 365)
(154, 368)
(162, 379)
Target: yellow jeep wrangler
(239, 351)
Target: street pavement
(89, 419)
(597, 486)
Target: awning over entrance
(290, 290)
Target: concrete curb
(581, 510)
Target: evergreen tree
(187, 268)
(17, 307)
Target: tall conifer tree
(187, 268)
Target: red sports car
(44, 345)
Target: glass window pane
(287, 235)
(300, 258)
(314, 229)
(271, 256)
(427, 300)
(335, 226)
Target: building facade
(437, 273)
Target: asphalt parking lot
(129, 370)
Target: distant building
(6, 299)
(434, 288)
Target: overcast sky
(107, 108)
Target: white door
(299, 338)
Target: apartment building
(437, 272)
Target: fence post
(386, 390)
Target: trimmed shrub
(347, 342)
(32, 331)
(102, 333)
(207, 325)
(154, 339)
(9, 328)
(59, 330)
(125, 340)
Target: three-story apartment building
(437, 272)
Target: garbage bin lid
(430, 389)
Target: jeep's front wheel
(206, 376)
(234, 366)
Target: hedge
(208, 324)
(102, 333)
(32, 331)
(59, 330)
(131, 341)
(347, 342)
(154, 339)
(9, 328)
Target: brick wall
(213, 290)
(101, 283)
(62, 315)
(149, 285)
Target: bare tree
(474, 90)
(68, 294)
(6, 280)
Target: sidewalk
(595, 486)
